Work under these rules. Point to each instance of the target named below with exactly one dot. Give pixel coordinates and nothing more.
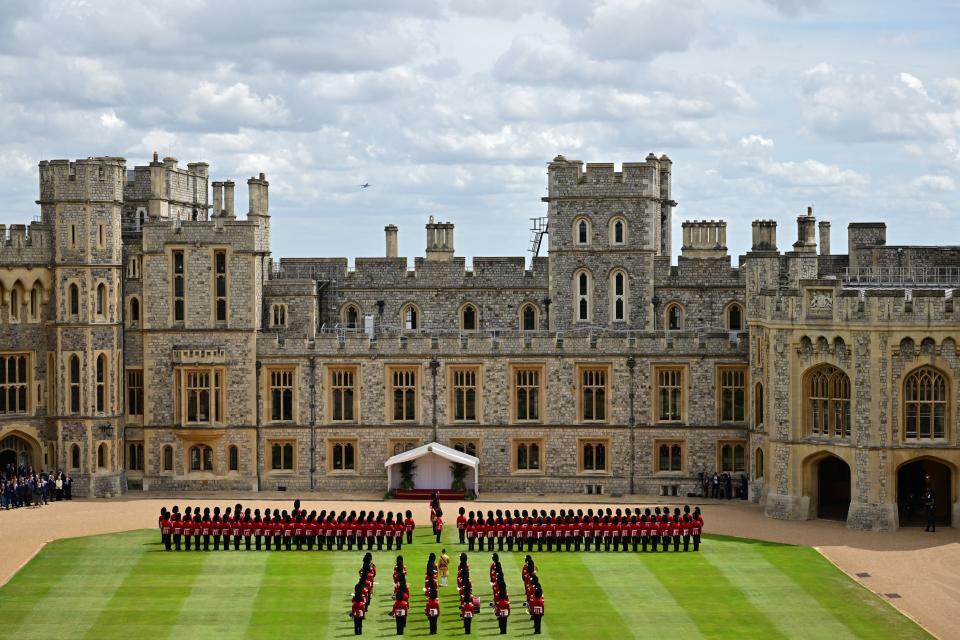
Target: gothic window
(593, 455)
(669, 394)
(827, 402)
(102, 456)
(582, 289)
(135, 456)
(618, 231)
(469, 318)
(35, 294)
(278, 315)
(74, 384)
(758, 463)
(733, 392)
(15, 303)
(581, 231)
(469, 447)
(735, 317)
(732, 457)
(410, 317)
(133, 267)
(527, 455)
(220, 285)
(404, 394)
(75, 456)
(758, 404)
(343, 394)
(593, 394)
(281, 394)
(179, 286)
(351, 317)
(101, 388)
(925, 405)
(281, 456)
(135, 392)
(233, 458)
(201, 458)
(199, 395)
(618, 299)
(528, 317)
(134, 311)
(674, 317)
(74, 300)
(167, 458)
(101, 299)
(464, 387)
(527, 393)
(669, 456)
(13, 384)
(342, 455)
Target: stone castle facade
(149, 341)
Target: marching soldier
(399, 611)
(409, 525)
(432, 610)
(461, 525)
(358, 610)
(165, 529)
(502, 606)
(537, 608)
(467, 610)
(177, 526)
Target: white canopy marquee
(433, 467)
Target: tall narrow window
(675, 317)
(619, 298)
(282, 456)
(100, 237)
(582, 285)
(758, 464)
(925, 405)
(101, 388)
(15, 304)
(35, 302)
(758, 404)
(134, 311)
(733, 393)
(464, 389)
(342, 456)
(74, 300)
(528, 318)
(135, 456)
(582, 232)
(75, 457)
(102, 456)
(343, 394)
(669, 395)
(74, 384)
(179, 286)
(199, 395)
(404, 383)
(410, 318)
(593, 394)
(468, 318)
(527, 390)
(619, 232)
(827, 393)
(351, 317)
(13, 384)
(735, 317)
(167, 458)
(135, 392)
(281, 395)
(593, 456)
(220, 284)
(278, 315)
(101, 299)
(233, 458)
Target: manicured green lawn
(126, 586)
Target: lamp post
(434, 366)
(632, 365)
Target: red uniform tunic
(358, 609)
(165, 527)
(400, 609)
(502, 607)
(409, 524)
(536, 606)
(433, 608)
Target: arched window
(735, 317)
(35, 302)
(583, 301)
(75, 456)
(74, 300)
(925, 404)
(827, 391)
(134, 311)
(758, 463)
(15, 303)
(101, 299)
(101, 389)
(201, 458)
(528, 317)
(758, 405)
(74, 384)
(581, 231)
(618, 231)
(469, 318)
(233, 458)
(674, 317)
(102, 456)
(594, 456)
(343, 456)
(351, 317)
(410, 317)
(618, 298)
(167, 458)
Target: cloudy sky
(454, 107)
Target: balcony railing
(902, 278)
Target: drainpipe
(257, 394)
(313, 421)
(434, 365)
(632, 365)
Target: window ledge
(342, 472)
(594, 474)
(527, 472)
(277, 472)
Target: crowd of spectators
(22, 486)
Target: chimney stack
(439, 240)
(259, 198)
(806, 233)
(764, 235)
(391, 236)
(228, 199)
(217, 199)
(824, 238)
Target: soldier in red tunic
(537, 609)
(358, 610)
(432, 610)
(401, 606)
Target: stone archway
(833, 488)
(17, 451)
(913, 479)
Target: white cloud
(794, 8)
(234, 103)
(935, 183)
(756, 141)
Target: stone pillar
(217, 199)
(824, 238)
(391, 238)
(228, 199)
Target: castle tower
(83, 202)
(606, 229)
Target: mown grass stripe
(786, 603)
(71, 607)
(834, 591)
(152, 594)
(617, 578)
(715, 605)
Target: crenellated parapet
(569, 178)
(22, 244)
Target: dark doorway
(833, 488)
(8, 457)
(913, 479)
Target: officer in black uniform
(930, 505)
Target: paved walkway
(922, 568)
